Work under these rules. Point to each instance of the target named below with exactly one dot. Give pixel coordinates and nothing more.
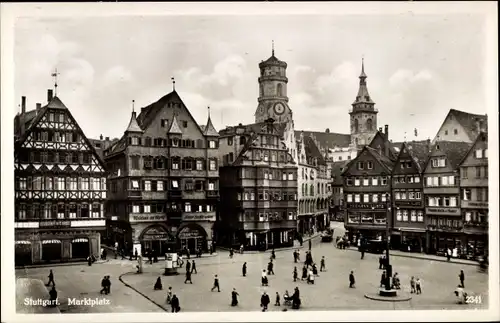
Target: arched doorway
(157, 239)
(193, 237)
(80, 248)
(51, 250)
(22, 253)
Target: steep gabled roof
(327, 139)
(312, 151)
(419, 151)
(393, 148)
(453, 150)
(468, 121)
(386, 162)
(133, 126)
(479, 137)
(209, 129)
(174, 127)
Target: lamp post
(387, 233)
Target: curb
(426, 258)
(205, 255)
(251, 252)
(138, 292)
(62, 264)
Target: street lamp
(387, 233)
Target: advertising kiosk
(171, 264)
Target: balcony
(134, 194)
(443, 228)
(174, 194)
(150, 195)
(212, 194)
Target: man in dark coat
(382, 279)
(136, 254)
(188, 277)
(381, 262)
(304, 273)
(244, 269)
(322, 264)
(234, 297)
(53, 296)
(108, 285)
(193, 267)
(310, 244)
(51, 278)
(296, 298)
(103, 285)
(462, 278)
(216, 284)
(264, 301)
(174, 303)
(295, 256)
(295, 274)
(352, 281)
(188, 266)
(270, 270)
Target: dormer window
(211, 144)
(369, 165)
(175, 142)
(455, 131)
(479, 153)
(135, 141)
(361, 165)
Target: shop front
(23, 253)
(156, 239)
(51, 250)
(80, 248)
(193, 237)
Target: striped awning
(23, 242)
(51, 241)
(80, 240)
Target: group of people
(293, 300)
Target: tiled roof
(419, 151)
(312, 151)
(454, 151)
(386, 161)
(149, 112)
(56, 103)
(468, 121)
(133, 126)
(479, 137)
(209, 129)
(327, 139)
(337, 169)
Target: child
(169, 295)
(418, 284)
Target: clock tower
(273, 100)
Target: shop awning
(80, 240)
(51, 241)
(421, 230)
(23, 242)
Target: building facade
(258, 181)
(164, 181)
(337, 202)
(409, 231)
(461, 126)
(442, 196)
(474, 197)
(60, 187)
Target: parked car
(375, 246)
(327, 236)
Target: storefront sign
(55, 224)
(367, 206)
(157, 233)
(475, 204)
(147, 217)
(188, 233)
(442, 211)
(198, 217)
(408, 203)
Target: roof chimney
(100, 137)
(107, 138)
(23, 105)
(49, 95)
(38, 106)
(387, 131)
(380, 129)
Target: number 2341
(475, 299)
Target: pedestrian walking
(231, 253)
(103, 285)
(352, 280)
(298, 255)
(304, 273)
(310, 244)
(51, 279)
(175, 304)
(273, 254)
(123, 253)
(461, 276)
(188, 277)
(244, 269)
(270, 270)
(296, 299)
(188, 266)
(395, 281)
(264, 301)
(322, 264)
(381, 262)
(310, 277)
(136, 253)
(158, 285)
(234, 297)
(169, 295)
(277, 303)
(241, 249)
(216, 284)
(264, 280)
(188, 253)
(89, 260)
(108, 285)
(412, 285)
(314, 270)
(295, 274)
(193, 267)
(448, 254)
(418, 285)
(382, 279)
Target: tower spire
(208, 108)
(362, 75)
(54, 75)
(273, 47)
(173, 83)
(133, 106)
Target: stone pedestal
(388, 293)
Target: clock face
(279, 108)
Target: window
(252, 196)
(444, 181)
(357, 198)
(418, 195)
(479, 153)
(446, 132)
(356, 182)
(397, 195)
(213, 165)
(374, 181)
(361, 166)
(413, 216)
(73, 184)
(399, 215)
(455, 131)
(403, 195)
(369, 165)
(147, 209)
(348, 181)
(135, 162)
(61, 184)
(410, 179)
(349, 198)
(366, 182)
(429, 181)
(435, 181)
(405, 215)
(402, 179)
(85, 184)
(175, 183)
(135, 184)
(175, 162)
(411, 195)
(211, 144)
(438, 162)
(453, 201)
(199, 164)
(366, 198)
(417, 179)
(22, 183)
(147, 186)
(420, 216)
(485, 154)
(451, 180)
(384, 197)
(187, 207)
(136, 209)
(375, 198)
(384, 181)
(189, 185)
(290, 176)
(164, 123)
(135, 141)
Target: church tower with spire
(363, 114)
(273, 100)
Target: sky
(418, 67)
